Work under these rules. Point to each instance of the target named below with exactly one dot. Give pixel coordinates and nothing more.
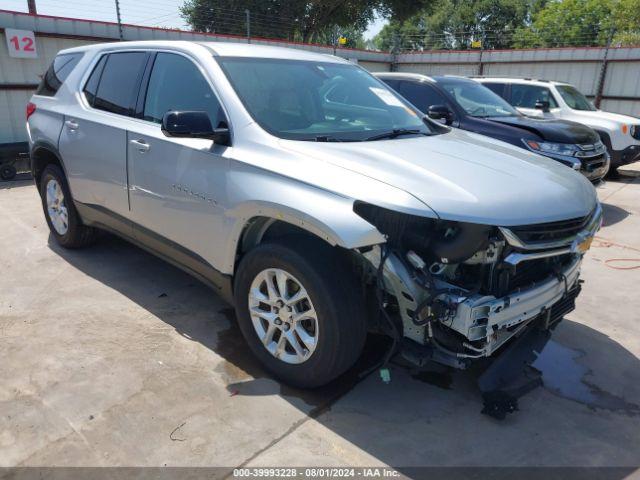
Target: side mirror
(440, 112)
(193, 125)
(542, 105)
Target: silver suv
(312, 197)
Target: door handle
(141, 145)
(72, 125)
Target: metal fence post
(395, 47)
(603, 69)
(248, 16)
(480, 64)
(119, 19)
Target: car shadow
(418, 418)
(623, 176)
(612, 214)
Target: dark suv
(465, 104)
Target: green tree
(582, 23)
(458, 23)
(568, 22)
(303, 20)
(353, 35)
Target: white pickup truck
(549, 99)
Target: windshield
(304, 100)
(574, 98)
(477, 100)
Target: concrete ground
(110, 356)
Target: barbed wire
(228, 21)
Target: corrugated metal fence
(579, 66)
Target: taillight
(31, 108)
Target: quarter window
(118, 82)
(91, 88)
(526, 96)
(177, 84)
(57, 73)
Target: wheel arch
(42, 154)
(272, 221)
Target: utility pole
(32, 7)
(248, 15)
(119, 19)
(603, 70)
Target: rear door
(178, 184)
(93, 141)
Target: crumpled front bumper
(498, 319)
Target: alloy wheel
(57, 207)
(283, 316)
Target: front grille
(593, 163)
(507, 279)
(635, 131)
(547, 232)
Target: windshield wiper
(396, 132)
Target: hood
(600, 118)
(465, 177)
(558, 131)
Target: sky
(164, 13)
(374, 28)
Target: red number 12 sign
(21, 43)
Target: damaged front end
(458, 292)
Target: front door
(177, 185)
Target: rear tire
(331, 341)
(7, 172)
(60, 212)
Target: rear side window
(526, 96)
(177, 84)
(421, 95)
(57, 73)
(497, 88)
(117, 85)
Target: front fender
(320, 212)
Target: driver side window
(421, 95)
(526, 96)
(177, 84)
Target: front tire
(60, 212)
(300, 310)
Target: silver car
(316, 200)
